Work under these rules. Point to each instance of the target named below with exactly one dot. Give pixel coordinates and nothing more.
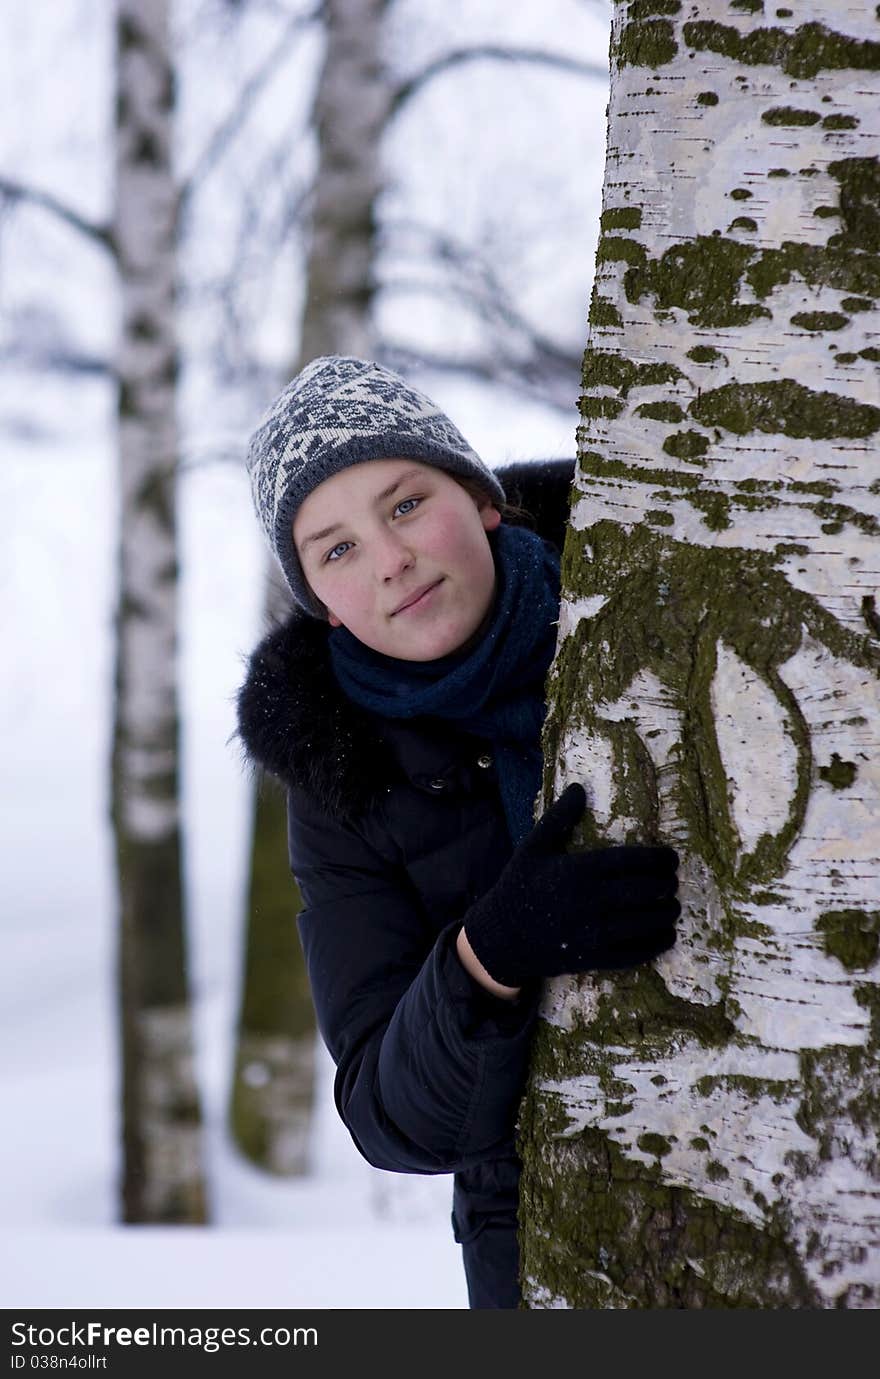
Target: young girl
(401, 705)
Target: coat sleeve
(430, 1066)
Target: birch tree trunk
(703, 1132)
(352, 104)
(162, 1173)
(273, 1081)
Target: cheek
(459, 544)
(345, 599)
(338, 603)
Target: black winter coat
(395, 828)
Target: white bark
(781, 1121)
(352, 106)
(161, 1177)
(144, 237)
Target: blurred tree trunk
(162, 1170)
(273, 1079)
(703, 1132)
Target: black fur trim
(295, 722)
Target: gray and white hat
(337, 412)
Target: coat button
(485, 760)
(437, 783)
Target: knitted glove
(552, 911)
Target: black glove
(552, 911)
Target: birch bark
(162, 1174)
(704, 1131)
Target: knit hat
(337, 412)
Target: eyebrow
(379, 498)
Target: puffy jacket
(395, 828)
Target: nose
(392, 556)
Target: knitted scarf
(495, 688)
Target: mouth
(417, 598)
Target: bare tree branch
(494, 53)
(482, 292)
(14, 192)
(264, 230)
(60, 359)
(526, 377)
(520, 357)
(250, 92)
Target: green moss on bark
(603, 368)
(790, 116)
(660, 411)
(778, 1090)
(820, 320)
(715, 508)
(276, 1020)
(841, 1089)
(621, 218)
(800, 53)
(646, 43)
(702, 277)
(592, 406)
(650, 9)
(839, 774)
(642, 1010)
(603, 312)
(687, 445)
(784, 407)
(851, 936)
(857, 304)
(870, 614)
(601, 1229)
(652, 1143)
(618, 249)
(706, 277)
(859, 180)
(661, 592)
(592, 463)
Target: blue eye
(403, 502)
(331, 555)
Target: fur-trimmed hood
(295, 722)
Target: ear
(333, 620)
(490, 517)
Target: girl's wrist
(472, 965)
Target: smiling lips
(416, 599)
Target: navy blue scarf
(495, 688)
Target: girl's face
(397, 552)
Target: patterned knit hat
(338, 412)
